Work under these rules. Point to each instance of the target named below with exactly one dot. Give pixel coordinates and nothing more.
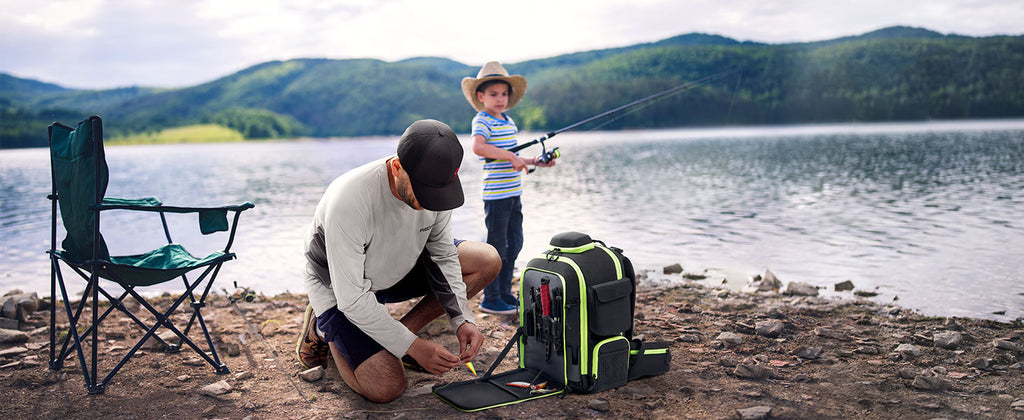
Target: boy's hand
(542, 164)
(518, 163)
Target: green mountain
(892, 74)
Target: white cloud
(107, 43)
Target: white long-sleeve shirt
(363, 239)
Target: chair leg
(57, 362)
(95, 388)
(163, 319)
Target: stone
(241, 376)
(981, 363)
(215, 389)
(19, 305)
(908, 350)
(1007, 345)
(8, 323)
(770, 282)
(805, 352)
(436, 328)
(755, 413)
(830, 333)
(867, 350)
(730, 338)
(13, 351)
(907, 373)
(948, 340)
(600, 405)
(12, 336)
(801, 289)
(930, 383)
(672, 269)
(750, 371)
(313, 374)
(770, 329)
(844, 286)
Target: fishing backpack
(577, 301)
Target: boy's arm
(482, 149)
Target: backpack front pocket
(610, 364)
(608, 307)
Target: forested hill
(893, 74)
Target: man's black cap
(431, 154)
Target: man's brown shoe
(311, 349)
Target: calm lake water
(931, 214)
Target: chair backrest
(79, 174)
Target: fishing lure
(527, 385)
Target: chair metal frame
(92, 269)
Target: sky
(102, 44)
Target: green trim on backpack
(522, 313)
(649, 351)
(577, 250)
(615, 260)
(597, 350)
(584, 324)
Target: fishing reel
(548, 156)
(243, 294)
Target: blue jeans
(504, 220)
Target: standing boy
(491, 93)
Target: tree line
(897, 74)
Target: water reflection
(931, 214)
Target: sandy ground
(734, 355)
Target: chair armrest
(211, 219)
(154, 204)
(132, 202)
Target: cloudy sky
(100, 44)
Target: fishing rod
(547, 156)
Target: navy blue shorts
(353, 344)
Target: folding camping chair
(79, 175)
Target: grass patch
(199, 133)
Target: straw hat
(493, 71)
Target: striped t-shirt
(501, 180)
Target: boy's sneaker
(311, 350)
(498, 308)
(511, 300)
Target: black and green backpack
(575, 333)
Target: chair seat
(156, 266)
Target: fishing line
(735, 90)
(618, 112)
(256, 332)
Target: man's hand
(432, 356)
(470, 340)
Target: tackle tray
(492, 391)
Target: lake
(929, 215)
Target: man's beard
(405, 192)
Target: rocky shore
(767, 352)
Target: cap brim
(443, 198)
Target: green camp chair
(79, 175)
